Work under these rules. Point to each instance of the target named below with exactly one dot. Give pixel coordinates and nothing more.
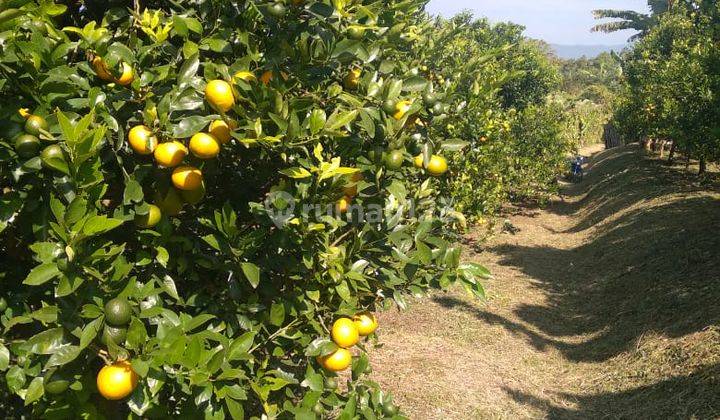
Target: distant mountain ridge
(588, 51)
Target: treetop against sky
(555, 21)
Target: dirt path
(601, 306)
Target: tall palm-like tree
(629, 19)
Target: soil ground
(604, 304)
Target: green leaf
(63, 356)
(348, 412)
(359, 366)
(240, 346)
(45, 314)
(100, 224)
(75, 211)
(415, 84)
(137, 334)
(4, 357)
(454, 145)
(188, 70)
(252, 273)
(15, 378)
(35, 391)
(277, 314)
(340, 119)
(296, 173)
(133, 192)
(162, 256)
(42, 274)
(344, 291)
(237, 412)
(317, 121)
(191, 125)
(46, 342)
(90, 331)
(314, 381)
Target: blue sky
(555, 21)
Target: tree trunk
(703, 166)
(671, 156)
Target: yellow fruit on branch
(142, 140)
(127, 75)
(204, 146)
(170, 154)
(344, 333)
(101, 69)
(343, 204)
(401, 108)
(150, 219)
(419, 161)
(437, 165)
(117, 381)
(337, 361)
(221, 130)
(352, 80)
(219, 94)
(187, 178)
(366, 323)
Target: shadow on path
(653, 269)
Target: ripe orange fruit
(187, 178)
(117, 381)
(150, 219)
(437, 166)
(401, 108)
(244, 75)
(335, 362)
(344, 333)
(366, 323)
(170, 154)
(219, 95)
(266, 77)
(352, 80)
(102, 70)
(170, 203)
(127, 75)
(221, 130)
(343, 204)
(142, 140)
(204, 146)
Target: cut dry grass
(604, 305)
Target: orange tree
(194, 197)
(488, 100)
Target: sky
(566, 22)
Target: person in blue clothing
(576, 168)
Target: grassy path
(604, 305)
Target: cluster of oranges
(346, 333)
